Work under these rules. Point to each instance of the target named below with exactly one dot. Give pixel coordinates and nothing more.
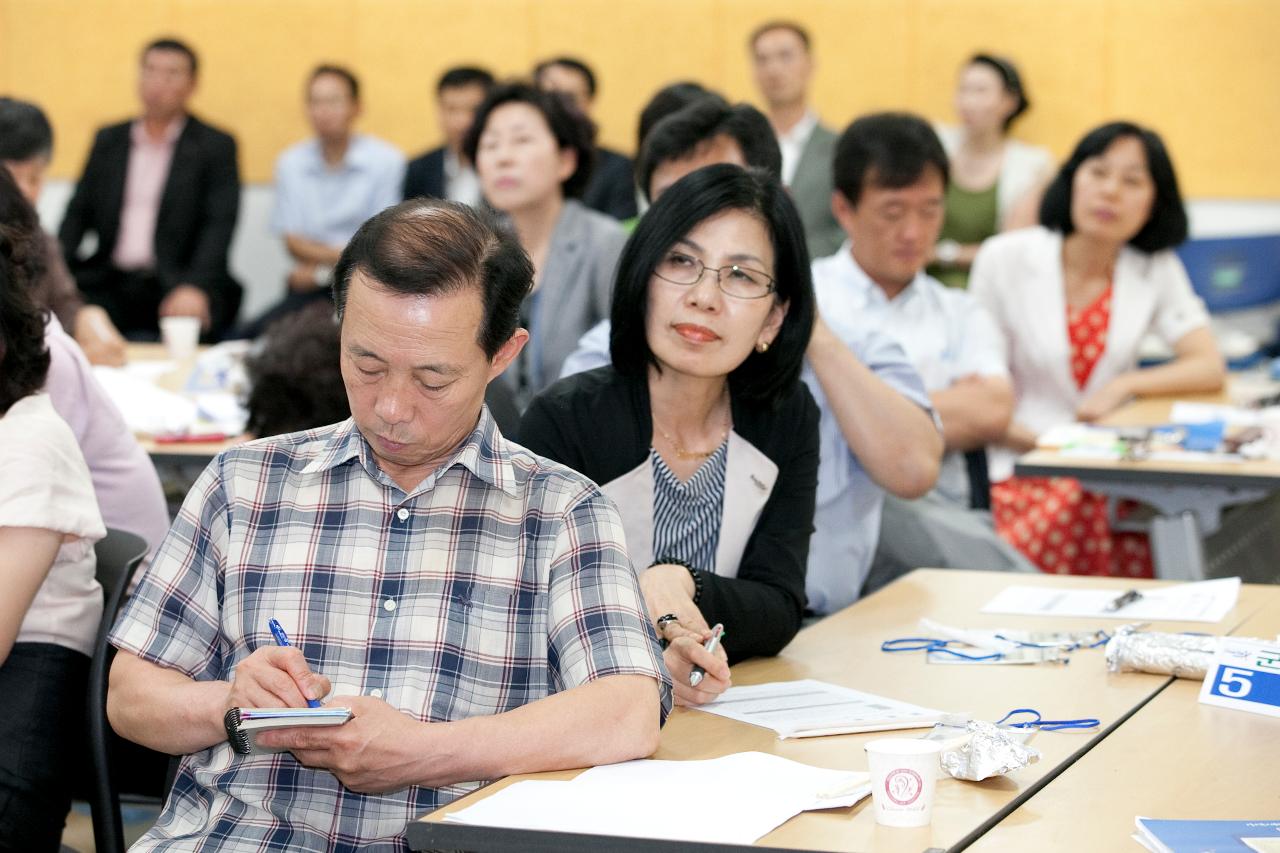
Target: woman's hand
(1105, 400)
(98, 337)
(668, 588)
(686, 650)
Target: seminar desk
(1189, 496)
(1174, 758)
(845, 649)
(174, 380)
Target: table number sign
(1244, 675)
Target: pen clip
(1129, 597)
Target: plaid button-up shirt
(499, 580)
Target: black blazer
(612, 187)
(599, 423)
(197, 216)
(424, 175)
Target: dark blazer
(612, 187)
(197, 216)
(425, 175)
(599, 423)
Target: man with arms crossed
(472, 603)
(891, 179)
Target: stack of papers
(1203, 601)
(731, 800)
(809, 708)
(151, 410)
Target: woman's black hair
(1165, 228)
(1012, 80)
(297, 376)
(571, 128)
(762, 377)
(24, 358)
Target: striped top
(687, 516)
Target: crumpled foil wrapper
(989, 751)
(1179, 655)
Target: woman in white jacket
(996, 180)
(1072, 300)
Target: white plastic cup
(904, 774)
(181, 335)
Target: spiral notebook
(243, 723)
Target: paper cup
(904, 774)
(180, 336)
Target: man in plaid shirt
(472, 603)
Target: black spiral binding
(236, 736)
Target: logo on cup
(903, 786)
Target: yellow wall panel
(1060, 50)
(1207, 75)
(635, 48)
(1202, 71)
(403, 46)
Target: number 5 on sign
(1245, 675)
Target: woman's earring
(763, 346)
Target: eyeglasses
(733, 280)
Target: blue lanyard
(1102, 639)
(1035, 721)
(931, 644)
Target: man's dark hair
(175, 46)
(573, 65)
(464, 75)
(1012, 80)
(889, 150)
(570, 128)
(770, 26)
(679, 135)
(24, 358)
(427, 247)
(762, 377)
(297, 376)
(1165, 228)
(344, 74)
(25, 131)
(668, 100)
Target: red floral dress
(1052, 520)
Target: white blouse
(1018, 277)
(45, 483)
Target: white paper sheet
(810, 708)
(1203, 601)
(731, 800)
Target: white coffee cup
(904, 773)
(180, 335)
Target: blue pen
(282, 639)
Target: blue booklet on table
(1208, 836)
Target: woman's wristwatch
(946, 252)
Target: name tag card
(1245, 675)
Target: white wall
(259, 261)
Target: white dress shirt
(792, 144)
(946, 333)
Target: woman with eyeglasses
(701, 431)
